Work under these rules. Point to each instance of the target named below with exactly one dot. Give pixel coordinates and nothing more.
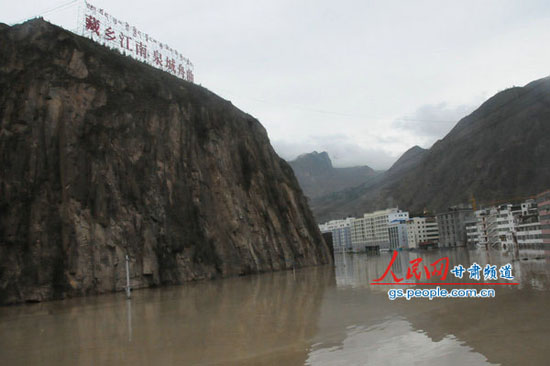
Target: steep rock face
(103, 156)
(318, 177)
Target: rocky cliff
(102, 156)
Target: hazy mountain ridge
(500, 151)
(407, 161)
(350, 202)
(318, 177)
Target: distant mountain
(501, 151)
(318, 177)
(354, 201)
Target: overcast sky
(363, 80)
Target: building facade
(481, 217)
(397, 233)
(543, 203)
(528, 227)
(341, 233)
(529, 235)
(508, 220)
(506, 224)
(529, 208)
(371, 231)
(422, 231)
(472, 233)
(452, 228)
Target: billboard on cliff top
(104, 28)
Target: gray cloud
(423, 127)
(431, 122)
(343, 73)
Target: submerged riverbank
(316, 316)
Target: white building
(371, 230)
(529, 208)
(528, 227)
(341, 233)
(492, 226)
(472, 233)
(422, 230)
(335, 224)
(496, 226)
(506, 222)
(397, 233)
(481, 218)
(529, 235)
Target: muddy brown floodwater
(313, 316)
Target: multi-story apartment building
(492, 226)
(528, 227)
(452, 229)
(529, 235)
(529, 208)
(371, 230)
(421, 231)
(498, 225)
(397, 232)
(472, 233)
(543, 203)
(358, 240)
(481, 218)
(341, 233)
(507, 217)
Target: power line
(63, 6)
(297, 106)
(343, 114)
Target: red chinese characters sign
(418, 270)
(110, 31)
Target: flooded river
(314, 316)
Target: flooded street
(313, 316)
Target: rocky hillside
(499, 152)
(103, 156)
(318, 177)
(352, 201)
(406, 162)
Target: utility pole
(128, 288)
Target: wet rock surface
(103, 156)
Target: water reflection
(129, 307)
(314, 316)
(394, 342)
(264, 319)
(531, 268)
(439, 331)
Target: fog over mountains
(498, 152)
(318, 177)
